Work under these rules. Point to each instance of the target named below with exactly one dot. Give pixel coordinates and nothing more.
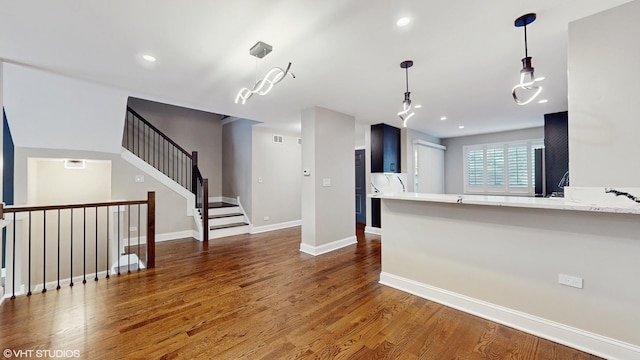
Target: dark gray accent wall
(556, 144)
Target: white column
(328, 181)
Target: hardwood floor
(258, 297)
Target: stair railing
(158, 150)
(46, 249)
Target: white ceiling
(346, 55)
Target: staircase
(226, 219)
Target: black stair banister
(150, 144)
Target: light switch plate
(326, 182)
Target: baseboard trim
(576, 338)
(273, 227)
(372, 230)
(163, 237)
(332, 246)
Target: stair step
(219, 220)
(227, 226)
(225, 215)
(224, 210)
(213, 205)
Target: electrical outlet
(266, 218)
(569, 280)
(133, 228)
(260, 179)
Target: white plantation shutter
(519, 166)
(505, 168)
(475, 168)
(495, 167)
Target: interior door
(361, 192)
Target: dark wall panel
(556, 143)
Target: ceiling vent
(74, 164)
(278, 139)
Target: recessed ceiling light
(461, 127)
(149, 58)
(443, 118)
(543, 101)
(417, 106)
(403, 21)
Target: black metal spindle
(44, 252)
(13, 264)
(107, 262)
(138, 135)
(71, 241)
(29, 269)
(58, 287)
(96, 278)
(84, 245)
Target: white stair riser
(236, 230)
(226, 220)
(224, 210)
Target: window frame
(505, 188)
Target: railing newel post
(151, 230)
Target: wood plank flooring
(258, 297)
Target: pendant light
(407, 112)
(528, 82)
(271, 78)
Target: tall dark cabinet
(385, 148)
(385, 157)
(556, 145)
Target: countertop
(555, 203)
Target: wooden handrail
(15, 209)
(186, 153)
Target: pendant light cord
(406, 70)
(526, 52)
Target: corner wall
(236, 162)
(276, 180)
(603, 103)
(328, 193)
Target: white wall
(603, 98)
(454, 157)
(278, 196)
(237, 147)
(328, 212)
(193, 130)
(50, 111)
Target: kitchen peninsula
(502, 257)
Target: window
(505, 168)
